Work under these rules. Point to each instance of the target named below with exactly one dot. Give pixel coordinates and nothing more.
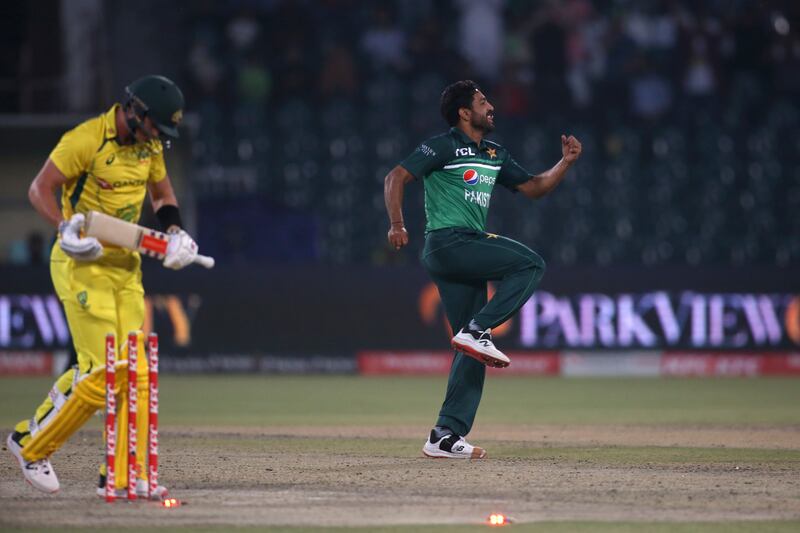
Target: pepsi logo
(470, 176)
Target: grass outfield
(685, 455)
(323, 400)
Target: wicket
(111, 419)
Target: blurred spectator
(243, 30)
(700, 79)
(651, 94)
(338, 77)
(511, 94)
(550, 59)
(784, 56)
(204, 67)
(384, 42)
(619, 66)
(585, 33)
(480, 39)
(651, 27)
(293, 71)
(254, 82)
(427, 55)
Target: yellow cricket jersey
(103, 175)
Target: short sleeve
(158, 169)
(429, 156)
(512, 174)
(73, 153)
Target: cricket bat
(128, 235)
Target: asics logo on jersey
(470, 176)
(110, 159)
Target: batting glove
(181, 251)
(75, 246)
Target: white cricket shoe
(478, 345)
(39, 474)
(160, 494)
(443, 444)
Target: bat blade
(112, 230)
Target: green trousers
(461, 261)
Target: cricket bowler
(459, 170)
(106, 164)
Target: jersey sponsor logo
(470, 176)
(489, 180)
(477, 197)
(103, 184)
(129, 183)
(461, 152)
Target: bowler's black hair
(455, 96)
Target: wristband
(169, 215)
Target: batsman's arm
(42, 192)
(393, 186)
(543, 183)
(165, 205)
(181, 250)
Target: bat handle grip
(204, 260)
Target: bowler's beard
(481, 123)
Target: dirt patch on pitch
(689, 436)
(376, 476)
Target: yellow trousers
(99, 297)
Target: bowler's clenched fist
(570, 148)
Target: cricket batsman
(459, 170)
(107, 164)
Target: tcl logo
(461, 152)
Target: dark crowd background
(687, 111)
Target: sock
(440, 431)
(474, 326)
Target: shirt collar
(463, 137)
(111, 122)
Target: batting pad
(88, 395)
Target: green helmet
(160, 99)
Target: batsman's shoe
(478, 345)
(450, 446)
(160, 494)
(39, 474)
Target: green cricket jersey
(459, 178)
